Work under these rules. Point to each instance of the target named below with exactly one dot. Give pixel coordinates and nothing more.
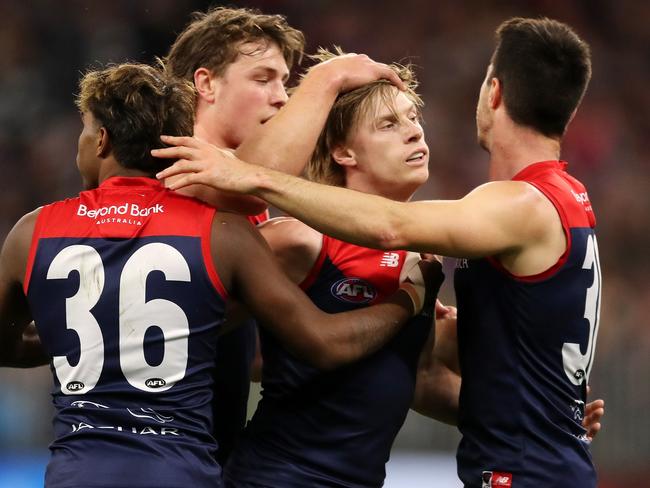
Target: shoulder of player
(18, 242)
(288, 236)
(231, 222)
(24, 228)
(518, 206)
(520, 197)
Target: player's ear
(103, 143)
(495, 93)
(344, 155)
(206, 84)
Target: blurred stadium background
(45, 45)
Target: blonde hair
(348, 110)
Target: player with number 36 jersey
(127, 286)
(121, 284)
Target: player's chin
(415, 178)
(419, 173)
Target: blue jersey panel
(335, 428)
(526, 349)
(131, 325)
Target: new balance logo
(389, 260)
(493, 479)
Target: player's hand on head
(199, 162)
(594, 412)
(350, 71)
(421, 277)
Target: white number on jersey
(83, 377)
(136, 317)
(577, 366)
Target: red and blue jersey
(333, 428)
(128, 304)
(259, 218)
(526, 348)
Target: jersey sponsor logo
(494, 479)
(150, 413)
(84, 403)
(353, 290)
(389, 260)
(462, 263)
(583, 198)
(148, 430)
(131, 209)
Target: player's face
(391, 156)
(250, 92)
(483, 113)
(87, 161)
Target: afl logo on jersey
(353, 290)
(75, 386)
(155, 383)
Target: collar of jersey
(541, 166)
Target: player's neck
(212, 135)
(515, 147)
(111, 168)
(394, 192)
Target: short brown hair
(544, 69)
(348, 110)
(212, 39)
(136, 103)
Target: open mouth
(416, 158)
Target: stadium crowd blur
(44, 46)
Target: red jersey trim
(260, 218)
(318, 265)
(206, 249)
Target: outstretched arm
(324, 340)
(496, 218)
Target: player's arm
(275, 147)
(325, 340)
(438, 377)
(20, 346)
(232, 202)
(295, 245)
(272, 146)
(498, 218)
(296, 248)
